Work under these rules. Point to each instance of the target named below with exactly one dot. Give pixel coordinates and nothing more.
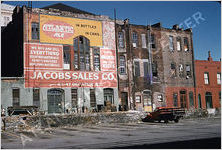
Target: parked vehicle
(166, 114)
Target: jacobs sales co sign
(62, 30)
(43, 67)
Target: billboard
(62, 30)
(43, 67)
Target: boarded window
(218, 78)
(134, 39)
(92, 98)
(143, 38)
(137, 68)
(96, 59)
(74, 97)
(36, 97)
(15, 97)
(121, 39)
(186, 44)
(178, 43)
(175, 99)
(122, 65)
(191, 99)
(206, 78)
(35, 31)
(145, 68)
(171, 43)
(154, 69)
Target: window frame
(121, 42)
(135, 39)
(206, 78)
(143, 40)
(186, 44)
(35, 31)
(218, 79)
(122, 64)
(171, 43)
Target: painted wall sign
(62, 30)
(108, 59)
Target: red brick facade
(212, 68)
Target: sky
(206, 29)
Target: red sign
(58, 29)
(43, 56)
(108, 59)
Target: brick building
(59, 60)
(208, 81)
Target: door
(55, 101)
(124, 100)
(108, 96)
(183, 99)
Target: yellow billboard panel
(62, 30)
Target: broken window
(178, 43)
(175, 99)
(35, 31)
(218, 78)
(92, 98)
(36, 97)
(145, 68)
(137, 68)
(186, 44)
(171, 43)
(74, 97)
(143, 38)
(154, 69)
(134, 39)
(173, 69)
(181, 70)
(191, 99)
(81, 54)
(122, 66)
(121, 39)
(66, 57)
(15, 97)
(96, 59)
(206, 78)
(188, 71)
(153, 42)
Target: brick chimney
(209, 56)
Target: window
(74, 96)
(35, 31)
(36, 97)
(188, 71)
(96, 59)
(15, 97)
(121, 39)
(138, 99)
(175, 99)
(160, 98)
(178, 43)
(66, 57)
(137, 68)
(191, 99)
(153, 42)
(173, 69)
(143, 37)
(145, 68)
(134, 39)
(122, 66)
(199, 101)
(92, 98)
(181, 70)
(154, 69)
(208, 98)
(171, 43)
(186, 44)
(206, 78)
(220, 97)
(81, 54)
(218, 78)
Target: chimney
(209, 56)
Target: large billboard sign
(43, 67)
(62, 30)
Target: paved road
(198, 132)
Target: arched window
(81, 53)
(199, 101)
(208, 98)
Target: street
(188, 133)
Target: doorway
(55, 101)
(108, 96)
(124, 100)
(183, 99)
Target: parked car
(166, 114)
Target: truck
(166, 114)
